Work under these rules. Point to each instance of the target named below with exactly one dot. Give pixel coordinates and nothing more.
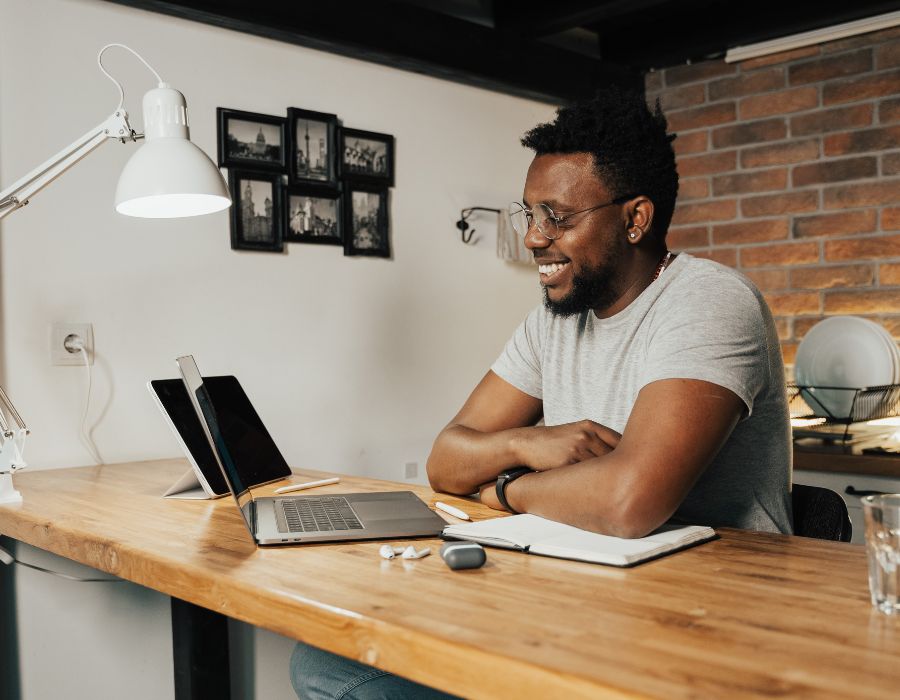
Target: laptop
(292, 519)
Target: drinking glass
(883, 550)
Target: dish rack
(865, 404)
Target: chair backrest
(820, 513)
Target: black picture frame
(312, 168)
(249, 230)
(252, 152)
(366, 156)
(365, 233)
(303, 224)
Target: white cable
(117, 83)
(7, 558)
(87, 441)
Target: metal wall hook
(463, 224)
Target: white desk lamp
(169, 177)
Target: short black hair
(632, 150)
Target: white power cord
(7, 558)
(74, 343)
(117, 83)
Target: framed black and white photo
(367, 156)
(314, 215)
(256, 210)
(312, 142)
(251, 140)
(366, 229)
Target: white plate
(895, 351)
(843, 351)
(892, 346)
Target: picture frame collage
(305, 178)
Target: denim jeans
(321, 675)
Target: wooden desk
(747, 615)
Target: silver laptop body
(291, 519)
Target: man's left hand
(488, 493)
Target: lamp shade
(169, 176)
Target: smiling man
(659, 377)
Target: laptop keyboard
(324, 514)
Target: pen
(308, 485)
(455, 512)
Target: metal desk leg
(9, 645)
(200, 647)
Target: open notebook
(536, 535)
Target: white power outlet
(410, 470)
(59, 354)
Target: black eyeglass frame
(557, 220)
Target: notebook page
(514, 531)
(589, 546)
(680, 534)
(603, 549)
(553, 539)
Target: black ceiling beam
(680, 33)
(534, 19)
(413, 39)
(681, 30)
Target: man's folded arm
(676, 428)
(496, 430)
(479, 442)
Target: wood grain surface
(747, 615)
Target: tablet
(248, 442)
(172, 399)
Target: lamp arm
(6, 405)
(115, 126)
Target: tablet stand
(189, 487)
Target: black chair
(820, 513)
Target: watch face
(503, 480)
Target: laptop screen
(257, 459)
(245, 451)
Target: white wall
(354, 364)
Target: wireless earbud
(411, 553)
(388, 552)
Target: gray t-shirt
(698, 320)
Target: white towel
(510, 245)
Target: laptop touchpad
(379, 510)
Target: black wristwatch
(504, 479)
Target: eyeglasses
(548, 224)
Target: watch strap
(504, 479)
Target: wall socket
(59, 355)
(410, 470)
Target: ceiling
(549, 51)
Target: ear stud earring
(632, 235)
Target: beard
(594, 288)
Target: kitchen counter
(847, 471)
(835, 458)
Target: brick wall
(790, 172)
